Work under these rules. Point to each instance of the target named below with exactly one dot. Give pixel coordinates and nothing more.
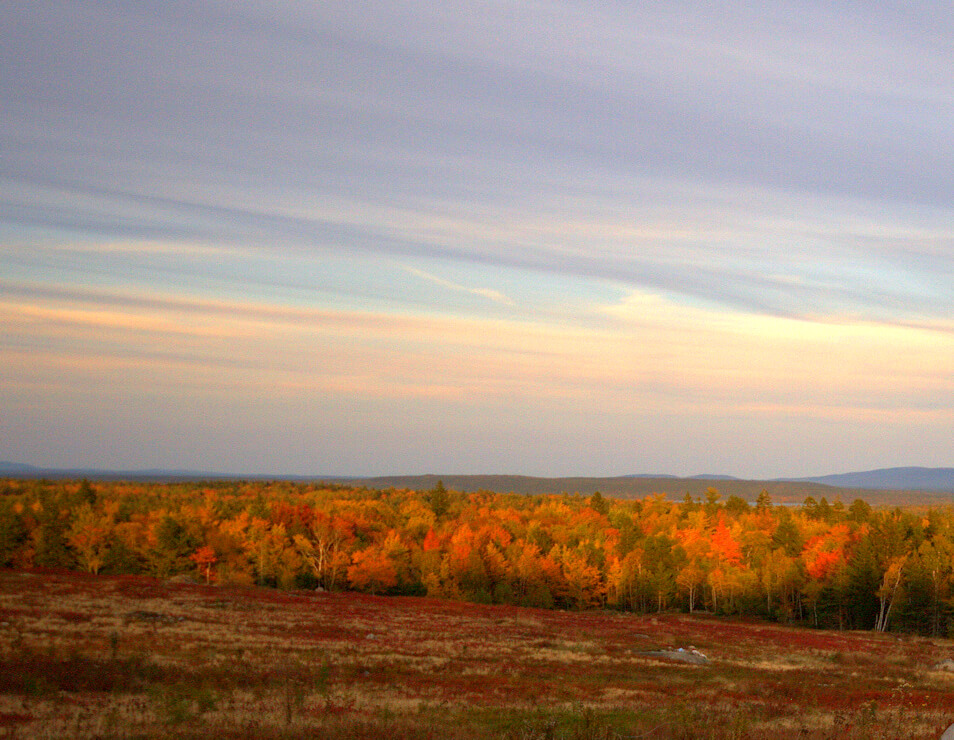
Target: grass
(125, 657)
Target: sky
(545, 238)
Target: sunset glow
(549, 240)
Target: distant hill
(19, 470)
(16, 469)
(917, 479)
(890, 486)
(628, 487)
(625, 486)
(704, 476)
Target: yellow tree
(690, 580)
(584, 580)
(692, 576)
(273, 554)
(324, 547)
(888, 591)
(90, 534)
(780, 577)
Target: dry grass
(129, 657)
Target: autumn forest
(818, 564)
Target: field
(131, 656)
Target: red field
(105, 657)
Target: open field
(130, 656)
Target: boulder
(945, 665)
(682, 655)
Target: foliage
(821, 564)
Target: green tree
(858, 591)
(439, 499)
(927, 607)
(174, 544)
(599, 504)
(859, 511)
(712, 502)
(50, 546)
(13, 532)
(736, 506)
(87, 493)
(786, 534)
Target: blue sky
(544, 238)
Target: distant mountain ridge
(905, 478)
(863, 484)
(20, 470)
(704, 476)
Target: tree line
(819, 563)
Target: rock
(682, 655)
(180, 579)
(948, 733)
(945, 665)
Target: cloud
(724, 157)
(681, 208)
(643, 354)
(488, 293)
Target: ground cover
(130, 656)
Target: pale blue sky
(543, 238)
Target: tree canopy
(820, 563)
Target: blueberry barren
(133, 656)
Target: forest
(817, 564)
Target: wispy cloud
(488, 293)
(649, 211)
(643, 353)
